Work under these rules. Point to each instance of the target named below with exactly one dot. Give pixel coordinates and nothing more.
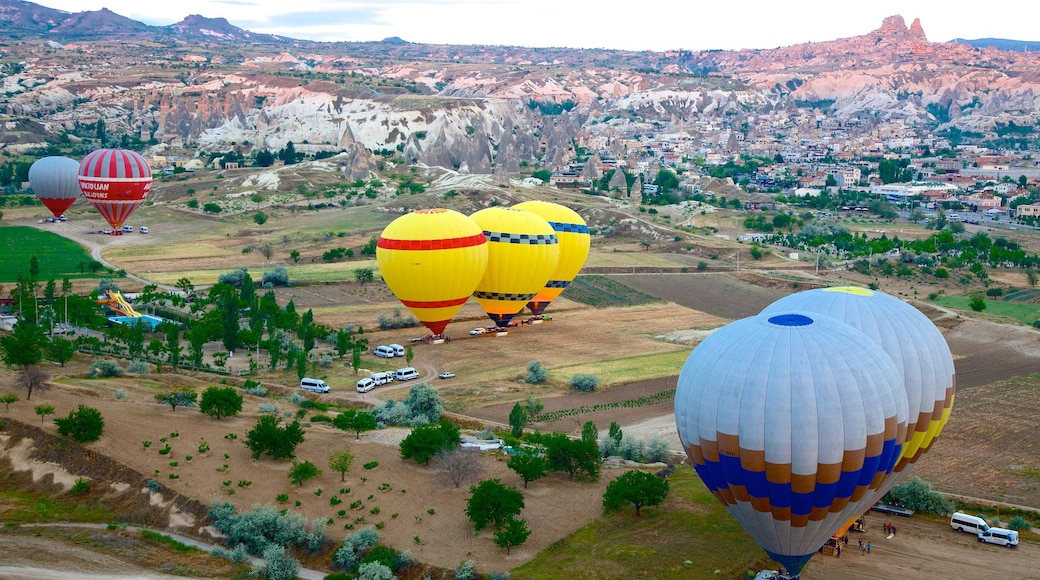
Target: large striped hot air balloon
(54, 181)
(523, 252)
(573, 233)
(115, 182)
(432, 260)
(793, 421)
(914, 343)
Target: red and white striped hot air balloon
(115, 182)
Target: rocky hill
(203, 84)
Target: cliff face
(476, 109)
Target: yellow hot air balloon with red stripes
(573, 233)
(523, 251)
(432, 260)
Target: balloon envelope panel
(55, 181)
(915, 345)
(115, 181)
(432, 261)
(793, 421)
(573, 233)
(523, 252)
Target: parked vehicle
(478, 331)
(965, 523)
(446, 375)
(398, 349)
(384, 351)
(314, 385)
(106, 232)
(382, 378)
(365, 385)
(406, 374)
(128, 229)
(144, 229)
(1000, 537)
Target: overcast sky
(637, 25)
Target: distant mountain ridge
(1002, 44)
(19, 18)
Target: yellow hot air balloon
(573, 233)
(523, 252)
(432, 260)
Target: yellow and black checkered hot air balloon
(432, 260)
(523, 252)
(573, 234)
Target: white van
(406, 374)
(382, 378)
(398, 349)
(384, 351)
(965, 523)
(314, 385)
(128, 229)
(1000, 537)
(365, 385)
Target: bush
(138, 367)
(121, 395)
(269, 408)
(80, 487)
(256, 391)
(1018, 523)
(536, 373)
(105, 368)
(354, 548)
(236, 555)
(83, 425)
(465, 571)
(917, 494)
(375, 571)
(260, 528)
(279, 564)
(585, 383)
(234, 278)
(277, 276)
(296, 398)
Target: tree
(530, 466)
(424, 402)
(341, 461)
(24, 346)
(178, 398)
(518, 420)
(301, 471)
(173, 348)
(7, 399)
(543, 174)
(220, 402)
(32, 379)
(61, 350)
(426, 441)
(978, 303)
(260, 218)
(1031, 277)
(44, 410)
(264, 158)
(84, 424)
(295, 255)
(458, 464)
(666, 180)
(589, 432)
(514, 533)
(288, 153)
(492, 503)
(638, 488)
(356, 421)
(408, 354)
(572, 455)
(269, 437)
(364, 275)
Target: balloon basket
(437, 341)
(501, 333)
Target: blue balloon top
(790, 320)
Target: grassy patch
(168, 541)
(603, 292)
(22, 506)
(58, 257)
(334, 272)
(657, 544)
(629, 369)
(1022, 312)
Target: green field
(690, 526)
(58, 257)
(995, 306)
(629, 369)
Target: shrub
(321, 419)
(355, 546)
(256, 391)
(121, 395)
(105, 368)
(269, 408)
(371, 465)
(325, 361)
(296, 398)
(585, 383)
(277, 276)
(278, 565)
(536, 373)
(262, 527)
(375, 571)
(83, 425)
(1018, 523)
(138, 367)
(80, 487)
(917, 494)
(465, 571)
(236, 555)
